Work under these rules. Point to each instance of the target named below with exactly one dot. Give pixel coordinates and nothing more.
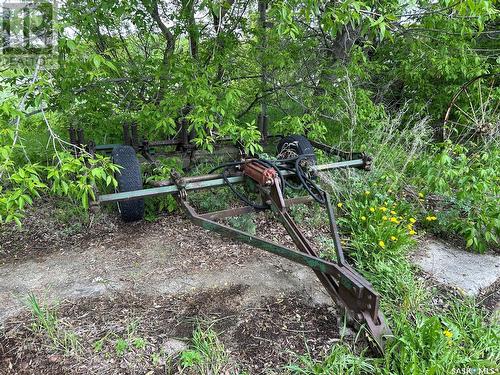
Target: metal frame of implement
(346, 287)
(182, 143)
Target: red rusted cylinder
(264, 176)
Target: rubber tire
(303, 145)
(129, 178)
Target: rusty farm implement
(294, 168)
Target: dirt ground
(163, 278)
(151, 284)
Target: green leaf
(97, 59)
(110, 65)
(71, 44)
(382, 30)
(85, 200)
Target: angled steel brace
(346, 287)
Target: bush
(466, 189)
(73, 177)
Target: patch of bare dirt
(490, 298)
(259, 337)
(151, 282)
(273, 334)
(51, 225)
(107, 255)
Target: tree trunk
(167, 52)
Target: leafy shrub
(379, 229)
(160, 172)
(73, 177)
(424, 341)
(305, 124)
(79, 177)
(466, 183)
(377, 223)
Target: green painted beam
(340, 164)
(197, 185)
(171, 189)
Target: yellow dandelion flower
(372, 209)
(420, 195)
(394, 238)
(363, 218)
(339, 205)
(409, 226)
(384, 218)
(448, 333)
(393, 212)
(381, 244)
(383, 209)
(394, 220)
(412, 232)
(412, 220)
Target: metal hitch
(347, 288)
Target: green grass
(441, 343)
(428, 339)
(121, 344)
(340, 360)
(438, 343)
(46, 322)
(206, 353)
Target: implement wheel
(129, 178)
(295, 145)
(474, 112)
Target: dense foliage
(336, 71)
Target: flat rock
(457, 268)
(173, 347)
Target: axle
(210, 181)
